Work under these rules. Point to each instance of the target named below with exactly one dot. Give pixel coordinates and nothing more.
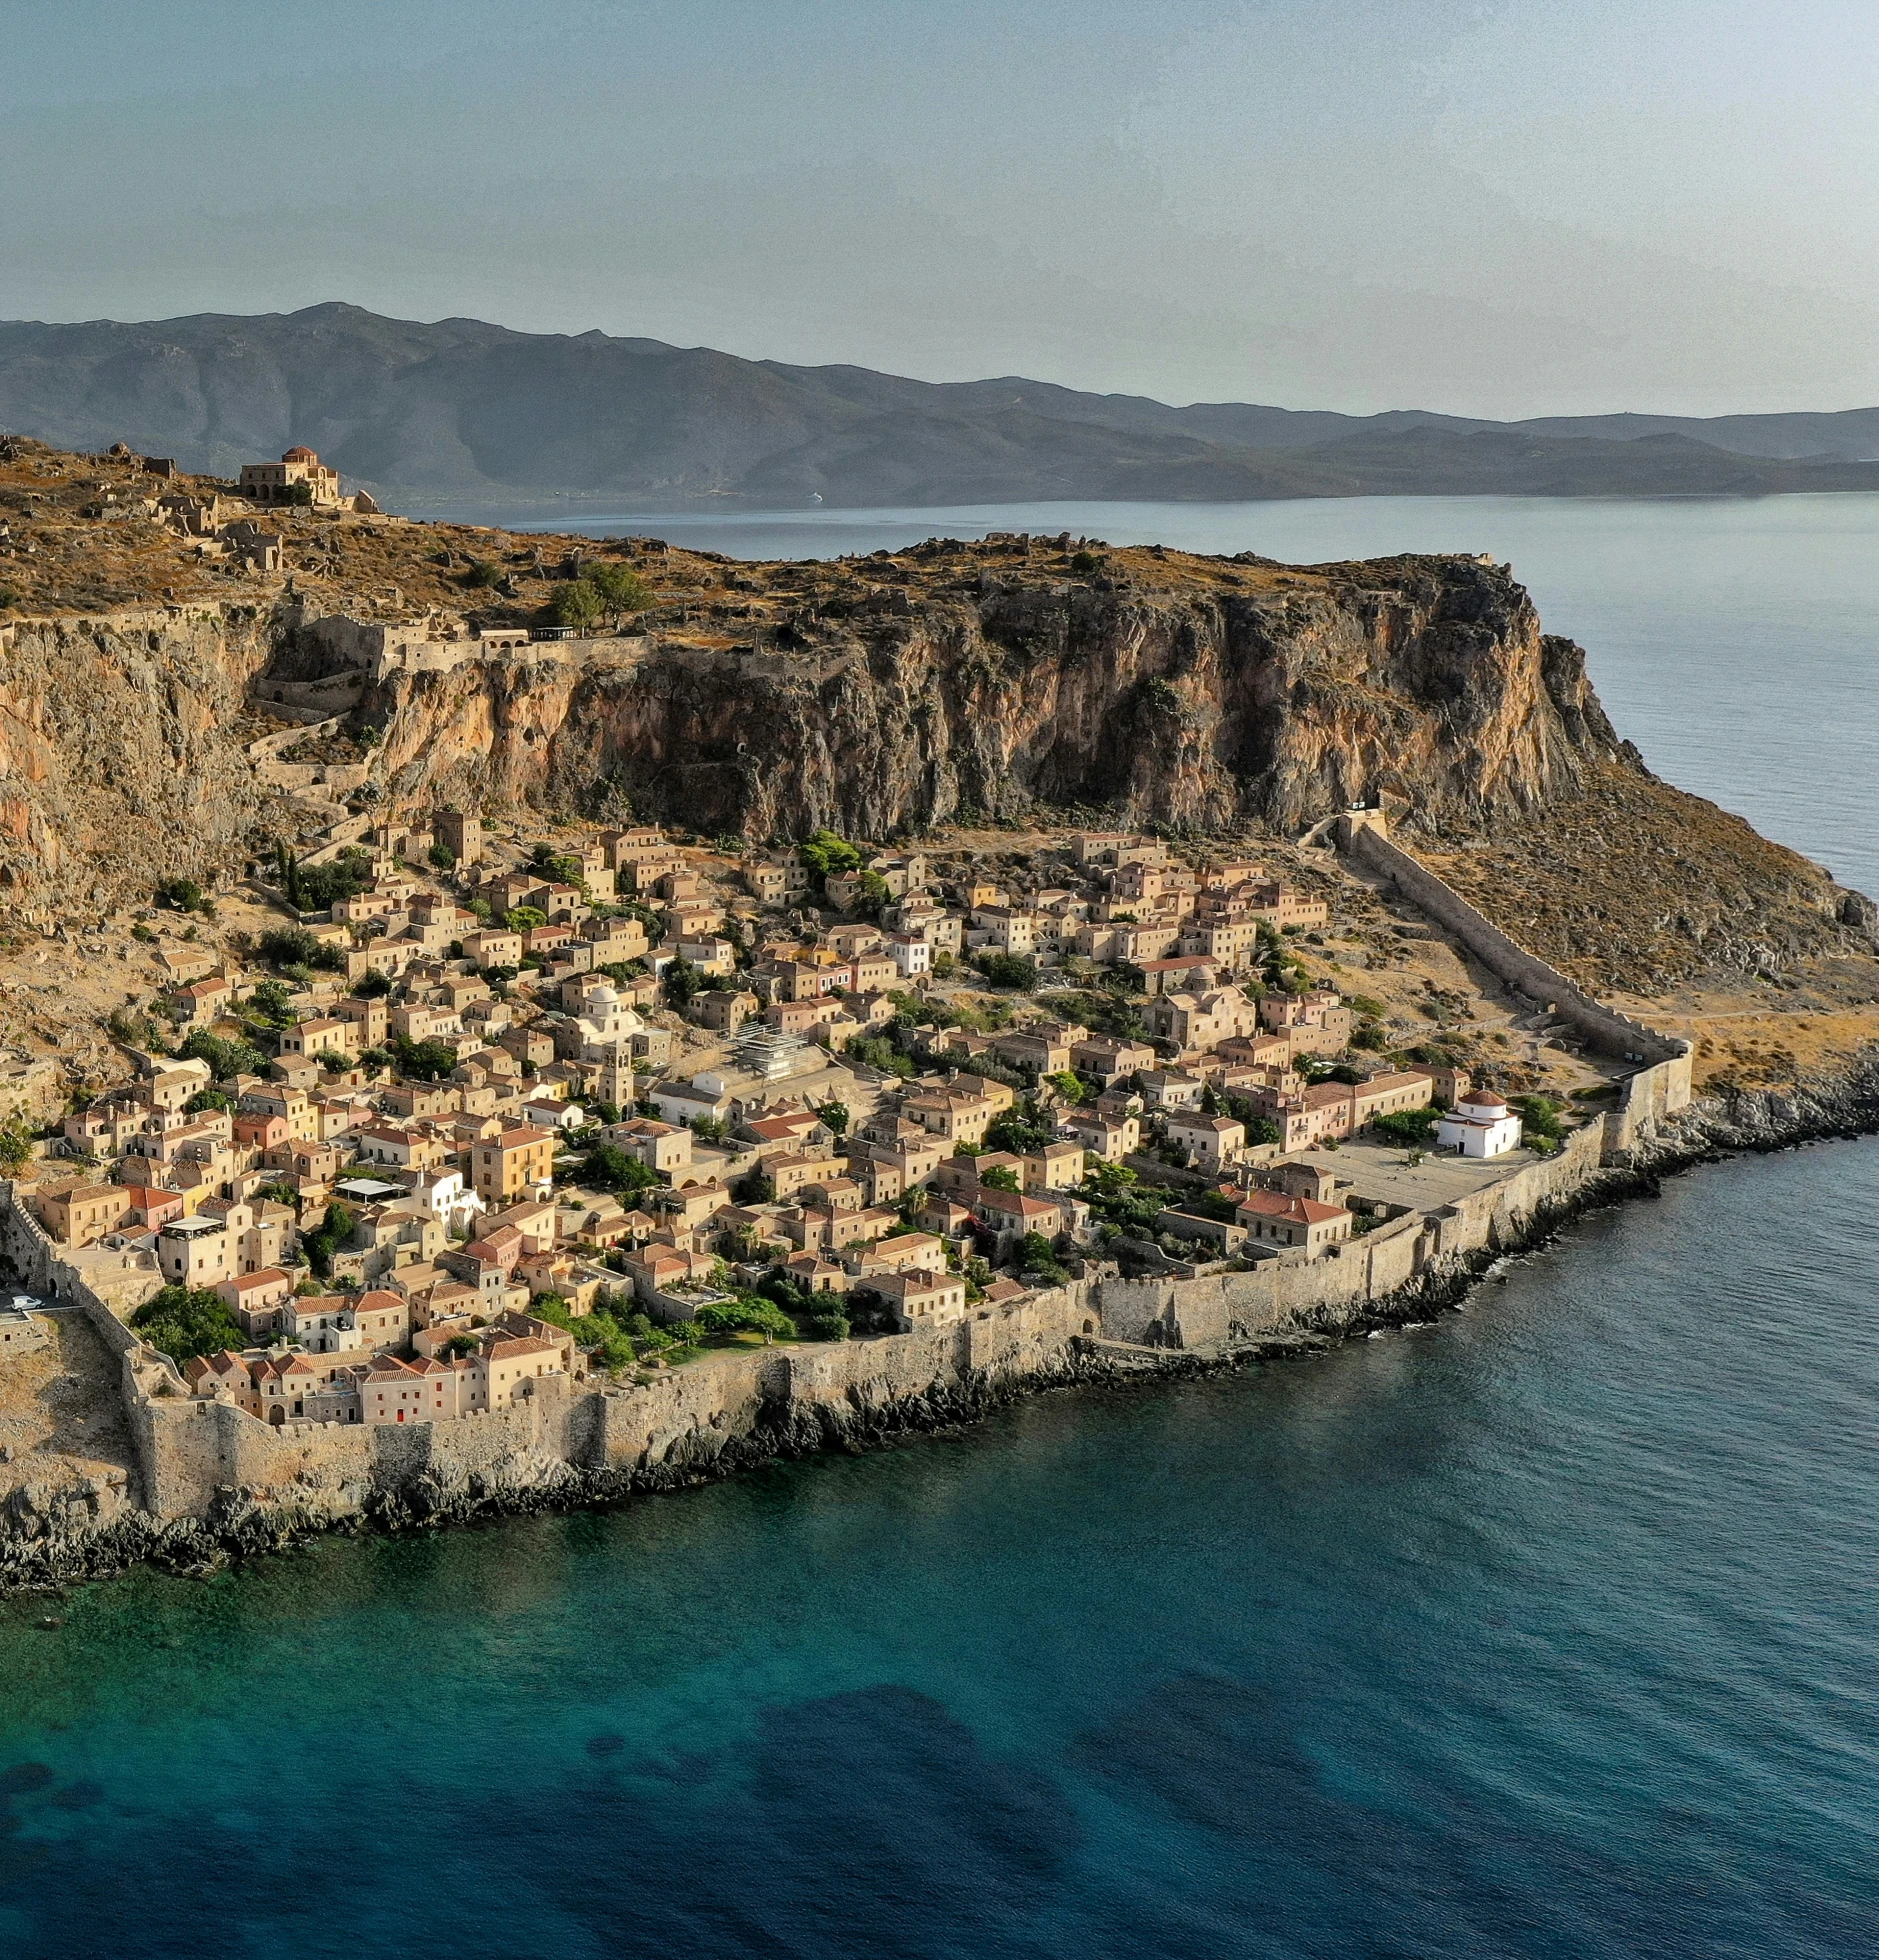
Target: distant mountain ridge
(464, 411)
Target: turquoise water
(1736, 641)
(1546, 1631)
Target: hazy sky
(1504, 209)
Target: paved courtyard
(1382, 1170)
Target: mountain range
(464, 412)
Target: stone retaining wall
(1661, 1084)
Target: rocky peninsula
(1155, 891)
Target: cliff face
(1193, 702)
(121, 760)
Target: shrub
(1407, 1126)
(524, 918)
(1009, 970)
(372, 986)
(443, 857)
(185, 1321)
(826, 1326)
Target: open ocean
(1549, 1630)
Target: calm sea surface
(1551, 1630)
(1735, 641)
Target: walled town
(457, 1122)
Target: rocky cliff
(122, 756)
(1186, 692)
(1009, 679)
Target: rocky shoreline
(40, 1555)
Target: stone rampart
(1661, 1085)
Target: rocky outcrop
(120, 752)
(1194, 699)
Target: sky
(1490, 207)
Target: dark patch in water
(605, 1745)
(25, 1776)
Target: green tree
(824, 854)
(833, 1117)
(1038, 1256)
(1001, 1177)
(872, 898)
(524, 918)
(423, 1061)
(185, 1321)
(1539, 1121)
(335, 1229)
(877, 1052)
(1009, 970)
(226, 1059)
(613, 1170)
(442, 857)
(682, 980)
(750, 1313)
(273, 1002)
(1407, 1126)
(621, 588)
(372, 985)
(292, 946)
(577, 604)
(16, 1146)
(1022, 1129)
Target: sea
(1549, 1629)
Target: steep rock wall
(1426, 678)
(120, 756)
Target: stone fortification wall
(203, 1460)
(200, 1453)
(1661, 1085)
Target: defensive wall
(1660, 1084)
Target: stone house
(519, 1163)
(299, 477)
(920, 1299)
(1278, 1218)
(84, 1214)
(1213, 1143)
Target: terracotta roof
(1298, 1211)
